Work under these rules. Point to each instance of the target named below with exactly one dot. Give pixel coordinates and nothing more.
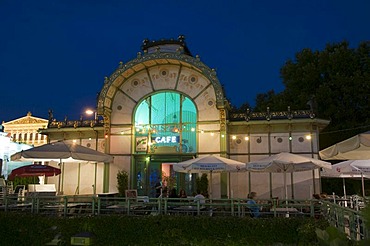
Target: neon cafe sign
(166, 139)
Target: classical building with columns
(166, 106)
(25, 130)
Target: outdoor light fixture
(91, 112)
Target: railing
(75, 205)
(345, 219)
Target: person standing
(158, 188)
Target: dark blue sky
(55, 54)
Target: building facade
(20, 134)
(25, 130)
(167, 106)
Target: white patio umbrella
(286, 163)
(349, 169)
(354, 148)
(62, 152)
(209, 164)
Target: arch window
(166, 119)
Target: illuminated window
(166, 119)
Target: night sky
(55, 54)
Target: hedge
(30, 229)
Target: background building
(25, 130)
(20, 134)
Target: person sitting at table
(199, 198)
(173, 194)
(323, 195)
(252, 205)
(164, 193)
(182, 195)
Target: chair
(19, 192)
(249, 212)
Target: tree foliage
(335, 83)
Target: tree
(334, 82)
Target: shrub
(31, 229)
(122, 182)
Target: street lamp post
(90, 112)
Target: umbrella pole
(363, 185)
(344, 191)
(292, 184)
(96, 168)
(229, 185)
(286, 189)
(62, 184)
(59, 178)
(210, 184)
(78, 179)
(344, 188)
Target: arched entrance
(165, 132)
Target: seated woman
(182, 195)
(173, 194)
(252, 205)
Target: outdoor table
(344, 202)
(18, 206)
(188, 209)
(120, 208)
(71, 207)
(143, 198)
(285, 211)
